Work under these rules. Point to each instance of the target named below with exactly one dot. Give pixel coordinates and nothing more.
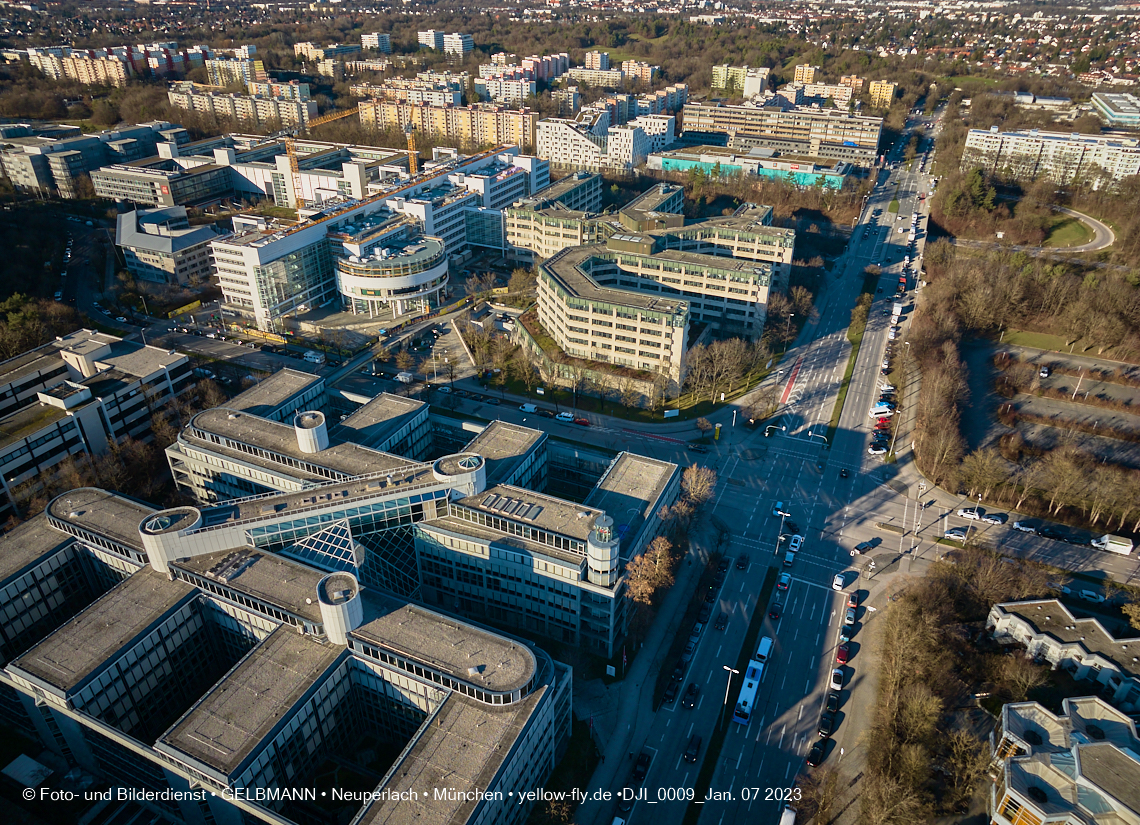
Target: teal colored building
(718, 161)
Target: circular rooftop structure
(171, 521)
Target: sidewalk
(623, 712)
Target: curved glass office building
(405, 275)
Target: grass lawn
(1039, 340)
(1068, 231)
(894, 207)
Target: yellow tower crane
(291, 151)
(413, 155)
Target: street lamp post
(770, 427)
(727, 688)
(788, 330)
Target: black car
(826, 725)
(1074, 539)
(690, 700)
(1050, 533)
(791, 526)
(722, 621)
(671, 692)
(705, 614)
(697, 448)
(775, 610)
(546, 413)
(641, 766)
(710, 596)
(843, 472)
(679, 672)
(720, 576)
(816, 754)
(494, 402)
(832, 702)
(723, 565)
(742, 561)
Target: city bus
(747, 698)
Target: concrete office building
(223, 680)
(228, 71)
(717, 161)
(479, 125)
(377, 41)
(810, 125)
(78, 395)
(1117, 109)
(1066, 158)
(1083, 647)
(159, 245)
(655, 276)
(1075, 768)
(564, 215)
(50, 165)
(813, 150)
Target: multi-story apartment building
(160, 245)
(377, 41)
(416, 92)
(431, 39)
(639, 70)
(458, 44)
(79, 395)
(589, 143)
(821, 93)
(805, 74)
(728, 78)
(598, 61)
(882, 93)
(504, 91)
(46, 163)
(361, 66)
(1117, 109)
(230, 71)
(251, 109)
(660, 130)
(569, 101)
(219, 684)
(657, 275)
(289, 90)
(664, 101)
(311, 51)
(825, 126)
(601, 78)
(546, 67)
(853, 82)
(1062, 157)
(96, 71)
(478, 125)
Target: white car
(837, 582)
(970, 513)
(796, 543)
(837, 679)
(956, 533)
(565, 417)
(1024, 527)
(876, 449)
(1091, 596)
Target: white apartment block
(659, 129)
(599, 61)
(576, 144)
(245, 108)
(431, 39)
(504, 91)
(1062, 157)
(602, 78)
(378, 41)
(458, 44)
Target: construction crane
(291, 151)
(413, 155)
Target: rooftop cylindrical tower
(602, 552)
(338, 595)
(312, 432)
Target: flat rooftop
(281, 439)
(557, 515)
(81, 646)
(232, 721)
(379, 419)
(631, 490)
(40, 359)
(102, 512)
(463, 749)
(1052, 617)
(27, 421)
(27, 544)
(1107, 766)
(461, 527)
(267, 577)
(504, 446)
(269, 394)
(567, 267)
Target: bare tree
(404, 360)
(982, 471)
(703, 425)
(967, 759)
(1021, 676)
(480, 285)
(698, 484)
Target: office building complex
(805, 74)
(229, 71)
(79, 395)
(1079, 767)
(1117, 109)
(478, 125)
(248, 109)
(221, 683)
(882, 93)
(1062, 157)
(810, 125)
(378, 41)
(504, 91)
(43, 162)
(160, 245)
(716, 161)
(628, 301)
(812, 150)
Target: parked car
(849, 617)
(641, 766)
(995, 518)
(671, 691)
(690, 699)
(1024, 527)
(816, 754)
(1050, 532)
(796, 544)
(832, 702)
(876, 449)
(838, 582)
(697, 448)
(565, 417)
(853, 598)
(826, 725)
(969, 513)
(582, 422)
(721, 621)
(837, 679)
(742, 561)
(956, 533)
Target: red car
(841, 654)
(883, 421)
(883, 426)
(584, 422)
